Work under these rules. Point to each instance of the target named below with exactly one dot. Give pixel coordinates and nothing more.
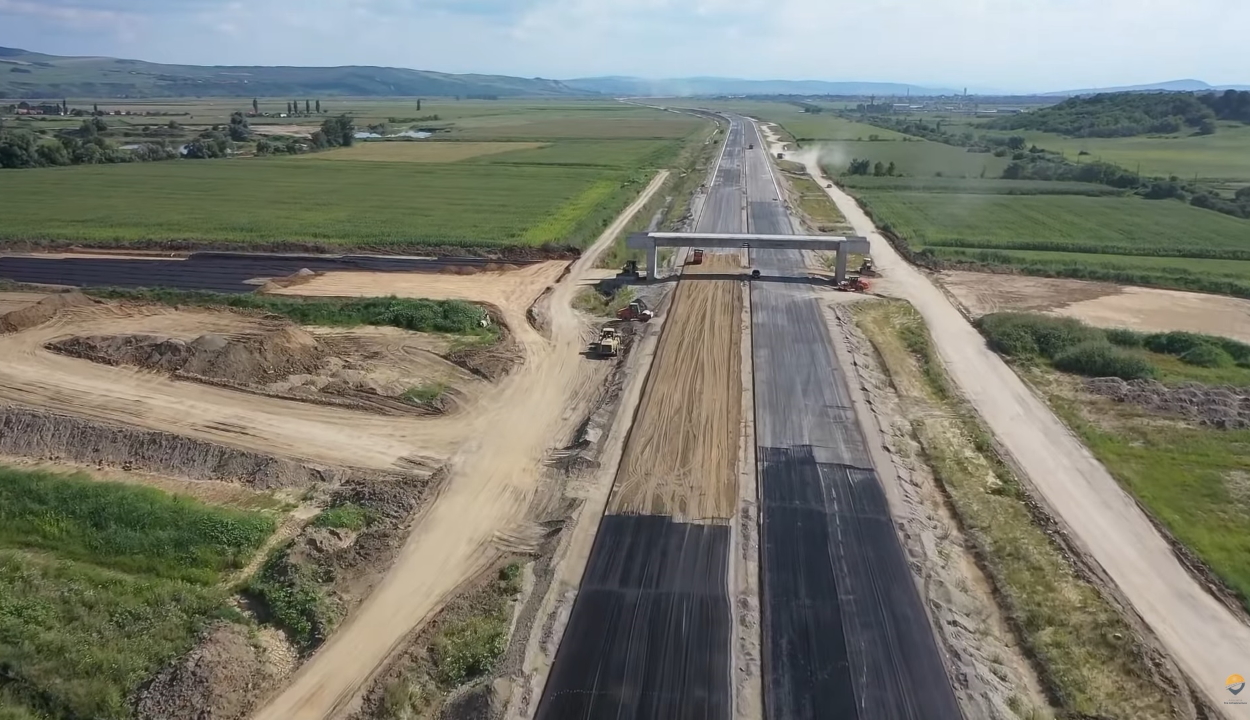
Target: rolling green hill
(27, 75)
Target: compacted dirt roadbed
(682, 451)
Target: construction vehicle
(867, 268)
(636, 310)
(751, 146)
(853, 284)
(630, 272)
(608, 344)
(781, 156)
(696, 258)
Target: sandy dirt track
(35, 377)
(482, 510)
(681, 458)
(1200, 633)
(1102, 304)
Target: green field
(269, 201)
(101, 584)
(584, 162)
(1220, 157)
(1108, 225)
(976, 186)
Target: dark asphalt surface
(216, 272)
(649, 634)
(845, 631)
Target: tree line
(1128, 114)
(86, 145)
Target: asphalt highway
(844, 628)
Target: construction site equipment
(751, 146)
(828, 185)
(630, 271)
(867, 268)
(608, 344)
(696, 258)
(755, 274)
(853, 284)
(636, 310)
(781, 156)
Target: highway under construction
(652, 631)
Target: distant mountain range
(30, 75)
(703, 86)
(1170, 86)
(25, 74)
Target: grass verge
(1086, 654)
(101, 584)
(425, 394)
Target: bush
(1125, 338)
(1208, 356)
(294, 596)
(349, 516)
(1098, 358)
(1175, 343)
(1027, 334)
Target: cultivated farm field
(268, 201)
(495, 173)
(1109, 225)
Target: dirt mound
(33, 433)
(1223, 407)
(220, 679)
(242, 359)
(42, 311)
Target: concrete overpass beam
(839, 272)
(653, 262)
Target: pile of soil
(42, 311)
(1223, 407)
(221, 678)
(244, 359)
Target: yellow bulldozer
(608, 344)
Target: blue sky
(1013, 45)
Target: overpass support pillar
(653, 262)
(839, 272)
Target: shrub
(1174, 343)
(1125, 338)
(348, 517)
(1208, 356)
(1098, 358)
(1026, 334)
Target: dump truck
(636, 310)
(608, 344)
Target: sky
(985, 45)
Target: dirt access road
(1206, 639)
(484, 504)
